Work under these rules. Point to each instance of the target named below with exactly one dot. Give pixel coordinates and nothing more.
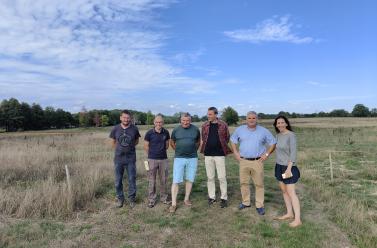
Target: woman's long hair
(286, 121)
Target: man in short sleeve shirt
(124, 137)
(156, 142)
(185, 140)
(252, 139)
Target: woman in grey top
(286, 171)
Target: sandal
(188, 203)
(172, 209)
(284, 217)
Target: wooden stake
(68, 180)
(331, 168)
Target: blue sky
(169, 56)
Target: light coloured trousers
(253, 169)
(213, 164)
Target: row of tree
(15, 115)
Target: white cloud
(85, 52)
(317, 84)
(274, 29)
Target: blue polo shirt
(252, 141)
(157, 143)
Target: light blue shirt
(252, 141)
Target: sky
(169, 56)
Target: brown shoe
(188, 203)
(172, 209)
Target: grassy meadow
(37, 209)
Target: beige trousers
(253, 169)
(213, 164)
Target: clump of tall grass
(33, 179)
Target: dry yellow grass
(33, 184)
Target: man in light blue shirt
(252, 139)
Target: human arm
(236, 153)
(293, 152)
(146, 147)
(113, 143)
(270, 150)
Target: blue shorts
(185, 166)
(280, 169)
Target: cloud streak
(270, 30)
(86, 51)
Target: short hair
(185, 114)
(286, 121)
(214, 109)
(158, 116)
(252, 113)
(126, 112)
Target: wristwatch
(266, 154)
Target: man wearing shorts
(185, 140)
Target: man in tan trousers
(252, 139)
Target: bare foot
(284, 217)
(295, 224)
(188, 203)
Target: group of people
(251, 144)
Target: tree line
(15, 115)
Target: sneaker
(151, 204)
(211, 201)
(132, 204)
(223, 203)
(260, 211)
(120, 203)
(242, 206)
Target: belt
(251, 158)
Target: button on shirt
(252, 141)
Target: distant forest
(18, 116)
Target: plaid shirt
(223, 132)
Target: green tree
(104, 120)
(360, 111)
(150, 118)
(373, 112)
(27, 116)
(84, 118)
(339, 113)
(229, 115)
(38, 118)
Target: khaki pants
(213, 164)
(160, 167)
(253, 169)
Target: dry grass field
(38, 210)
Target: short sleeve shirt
(185, 141)
(252, 142)
(125, 139)
(157, 143)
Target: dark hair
(214, 109)
(126, 112)
(286, 121)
